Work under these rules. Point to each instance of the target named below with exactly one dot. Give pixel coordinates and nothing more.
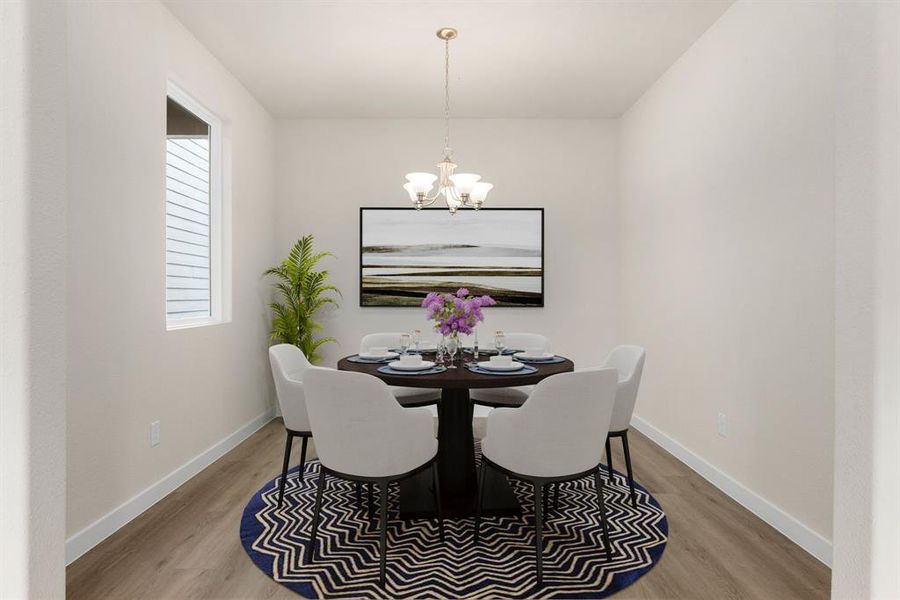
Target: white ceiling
(512, 59)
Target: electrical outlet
(722, 425)
(154, 433)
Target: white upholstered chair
(406, 396)
(552, 437)
(288, 368)
(629, 364)
(363, 435)
(510, 396)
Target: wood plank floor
(187, 546)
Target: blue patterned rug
(420, 566)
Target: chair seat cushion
(410, 396)
(500, 397)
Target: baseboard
(108, 524)
(794, 530)
(800, 534)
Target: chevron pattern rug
(502, 565)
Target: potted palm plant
(303, 291)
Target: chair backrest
(388, 340)
(520, 341)
(561, 429)
(289, 365)
(629, 363)
(360, 429)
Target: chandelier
(459, 190)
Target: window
(194, 207)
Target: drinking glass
(404, 343)
(452, 347)
(416, 337)
(439, 353)
(499, 342)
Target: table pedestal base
(456, 467)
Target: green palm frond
(302, 292)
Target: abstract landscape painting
(404, 254)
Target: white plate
(488, 366)
(378, 356)
(537, 356)
(422, 366)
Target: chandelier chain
(448, 152)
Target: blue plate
(356, 358)
(526, 370)
(432, 371)
(541, 361)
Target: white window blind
(188, 289)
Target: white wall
(727, 228)
(867, 385)
(32, 299)
(125, 370)
(327, 169)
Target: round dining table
(456, 445)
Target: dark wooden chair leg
(382, 579)
(598, 483)
(284, 466)
(538, 530)
(628, 469)
(303, 457)
(556, 496)
(609, 461)
(480, 500)
(371, 496)
(315, 529)
(436, 491)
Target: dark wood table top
(460, 377)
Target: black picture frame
(532, 304)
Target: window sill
(192, 323)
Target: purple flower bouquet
(455, 313)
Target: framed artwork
(405, 253)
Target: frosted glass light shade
(421, 182)
(410, 188)
(464, 183)
(480, 191)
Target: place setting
(411, 364)
(501, 365)
(538, 357)
(409, 344)
(375, 355)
